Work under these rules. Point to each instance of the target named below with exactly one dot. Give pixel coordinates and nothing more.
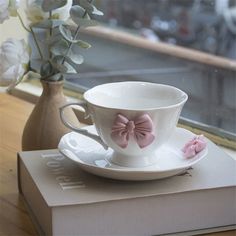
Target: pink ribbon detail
(194, 146)
(140, 128)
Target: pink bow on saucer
(194, 146)
(140, 128)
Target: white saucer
(91, 157)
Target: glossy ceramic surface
(91, 157)
(162, 104)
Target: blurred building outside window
(208, 26)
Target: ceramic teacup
(132, 118)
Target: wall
(11, 28)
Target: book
(65, 200)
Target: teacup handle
(78, 130)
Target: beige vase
(44, 128)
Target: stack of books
(64, 200)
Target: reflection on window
(208, 26)
(205, 25)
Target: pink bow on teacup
(194, 146)
(140, 128)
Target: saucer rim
(135, 169)
(142, 170)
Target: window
(189, 44)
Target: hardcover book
(64, 200)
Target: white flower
(14, 60)
(4, 10)
(35, 13)
(8, 8)
(13, 6)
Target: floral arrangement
(61, 21)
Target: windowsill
(31, 91)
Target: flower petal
(35, 13)
(12, 75)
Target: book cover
(64, 200)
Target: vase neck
(52, 88)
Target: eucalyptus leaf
(82, 22)
(60, 48)
(56, 77)
(86, 5)
(58, 59)
(78, 17)
(67, 35)
(47, 24)
(46, 69)
(71, 63)
(83, 44)
(70, 68)
(87, 17)
(96, 11)
(57, 64)
(77, 11)
(49, 5)
(68, 60)
(75, 58)
(90, 8)
(62, 38)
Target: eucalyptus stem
(74, 38)
(70, 45)
(22, 23)
(36, 43)
(50, 34)
(30, 30)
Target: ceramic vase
(44, 129)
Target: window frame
(226, 138)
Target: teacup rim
(185, 96)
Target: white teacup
(132, 118)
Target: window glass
(207, 26)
